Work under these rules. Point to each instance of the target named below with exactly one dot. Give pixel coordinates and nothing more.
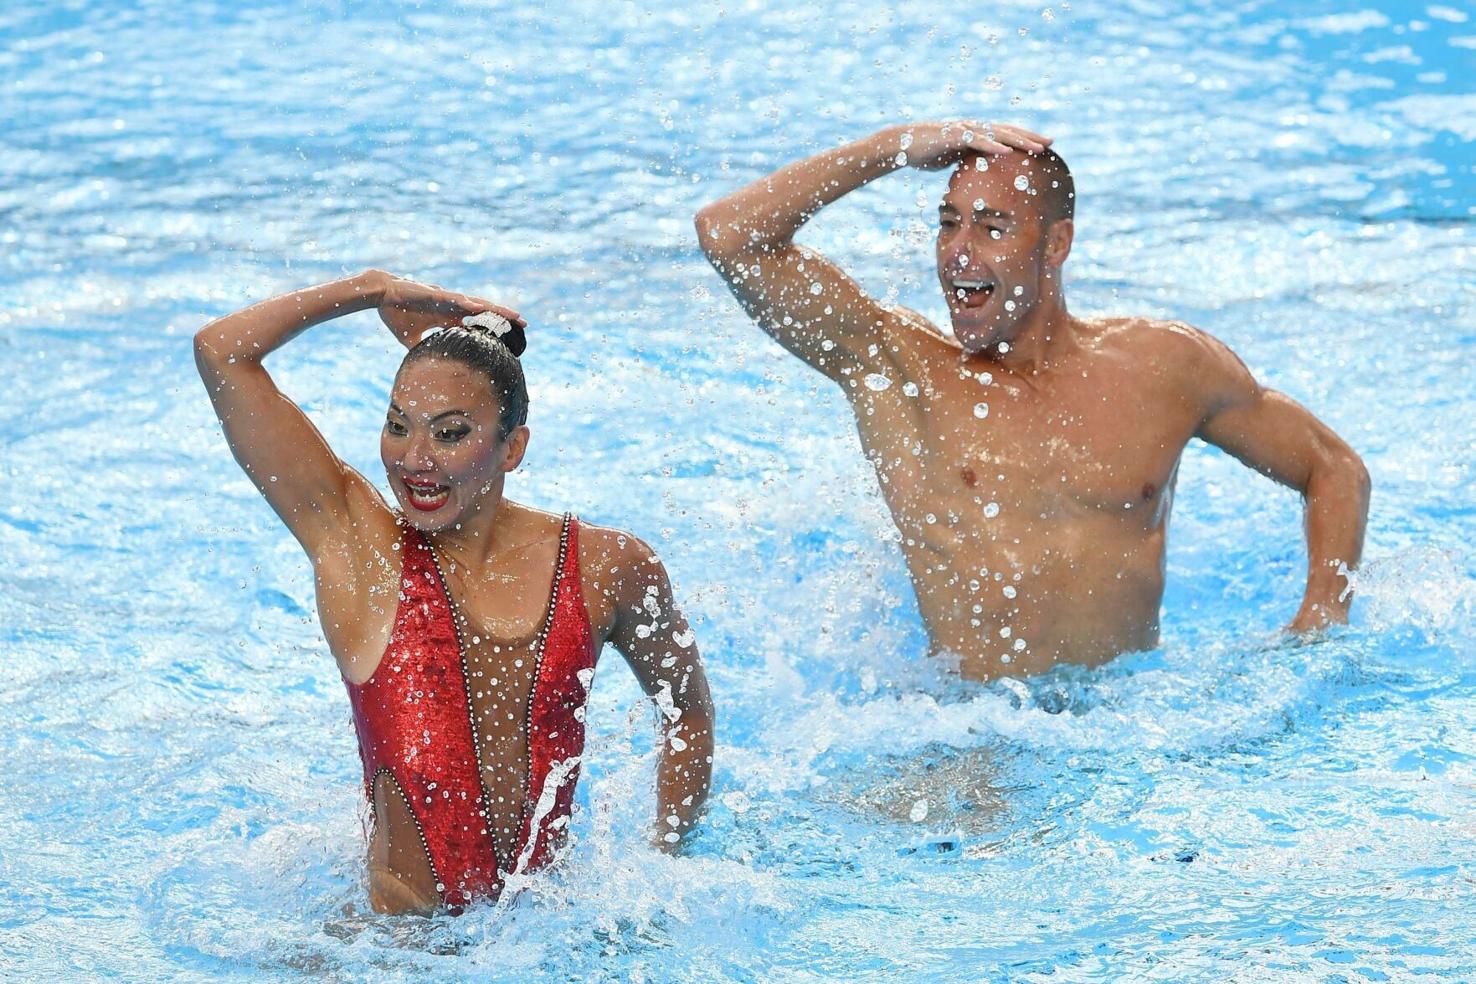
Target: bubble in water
(919, 811)
(737, 801)
(981, 410)
(876, 382)
(991, 510)
(1021, 182)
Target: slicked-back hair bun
(496, 356)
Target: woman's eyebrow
(395, 408)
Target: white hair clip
(490, 320)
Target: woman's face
(442, 446)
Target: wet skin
(447, 460)
(1028, 461)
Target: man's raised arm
(796, 295)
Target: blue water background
(180, 799)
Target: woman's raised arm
(272, 439)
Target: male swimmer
(1029, 460)
(466, 626)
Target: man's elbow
(1343, 469)
(208, 359)
(710, 238)
(1358, 473)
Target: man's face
(991, 249)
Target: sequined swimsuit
(416, 723)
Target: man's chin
(974, 336)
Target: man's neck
(1043, 341)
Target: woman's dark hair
(480, 349)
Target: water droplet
(1019, 644)
(906, 140)
(981, 410)
(919, 811)
(1004, 631)
(1021, 182)
(1009, 591)
(1019, 290)
(816, 289)
(876, 382)
(910, 388)
(1009, 305)
(991, 510)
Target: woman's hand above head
(411, 309)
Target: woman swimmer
(467, 672)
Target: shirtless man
(1029, 459)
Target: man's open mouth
(972, 293)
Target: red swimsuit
(414, 721)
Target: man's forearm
(1336, 514)
(772, 209)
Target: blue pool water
(180, 796)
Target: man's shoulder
(1189, 361)
(906, 330)
(1167, 343)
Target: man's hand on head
(934, 146)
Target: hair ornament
(490, 320)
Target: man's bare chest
(1063, 444)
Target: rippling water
(181, 792)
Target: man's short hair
(1052, 182)
(1057, 189)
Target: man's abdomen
(1018, 601)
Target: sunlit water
(181, 799)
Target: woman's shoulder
(610, 556)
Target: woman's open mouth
(426, 496)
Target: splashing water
(182, 789)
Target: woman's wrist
(371, 285)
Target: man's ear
(517, 446)
(1058, 241)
